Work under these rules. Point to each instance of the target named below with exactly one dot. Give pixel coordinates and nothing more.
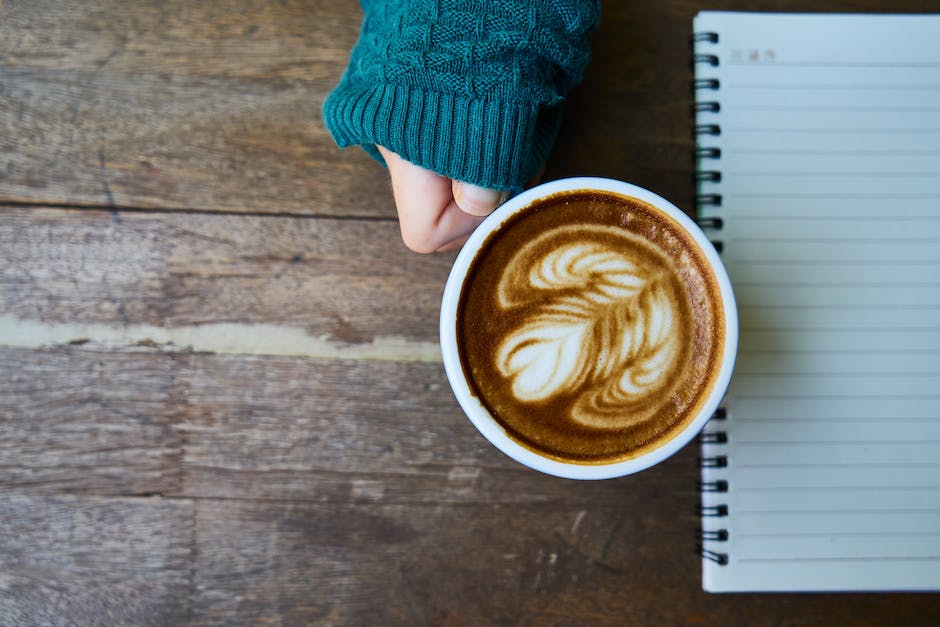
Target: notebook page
(830, 201)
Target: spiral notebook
(818, 152)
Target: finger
(478, 201)
(430, 220)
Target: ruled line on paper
(810, 261)
(835, 465)
(931, 378)
(728, 84)
(828, 129)
(838, 64)
(836, 284)
(803, 372)
(853, 263)
(849, 109)
(788, 397)
(843, 240)
(918, 515)
(839, 488)
(833, 196)
(813, 262)
(834, 328)
(832, 151)
(841, 534)
(803, 512)
(819, 174)
(837, 207)
(788, 443)
(892, 420)
(878, 558)
(823, 216)
(849, 307)
(835, 375)
(841, 351)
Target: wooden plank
(83, 421)
(345, 281)
(179, 105)
(482, 564)
(364, 432)
(94, 561)
(138, 421)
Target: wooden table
(220, 392)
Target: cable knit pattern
(473, 90)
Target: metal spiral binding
(719, 558)
(713, 535)
(708, 176)
(719, 486)
(706, 83)
(710, 59)
(713, 511)
(706, 107)
(705, 127)
(707, 36)
(713, 486)
(717, 461)
(707, 130)
(715, 437)
(713, 222)
(709, 200)
(717, 535)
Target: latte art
(588, 327)
(603, 329)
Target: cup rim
(478, 414)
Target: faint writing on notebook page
(753, 55)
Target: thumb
(478, 201)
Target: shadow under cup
(588, 328)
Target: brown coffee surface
(590, 326)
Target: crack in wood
(106, 185)
(215, 338)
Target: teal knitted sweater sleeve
(471, 89)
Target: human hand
(436, 213)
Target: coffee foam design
(600, 324)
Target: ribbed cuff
(488, 143)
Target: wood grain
(179, 105)
(90, 422)
(346, 280)
(92, 561)
(482, 564)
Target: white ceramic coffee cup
(481, 417)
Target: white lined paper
(830, 203)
